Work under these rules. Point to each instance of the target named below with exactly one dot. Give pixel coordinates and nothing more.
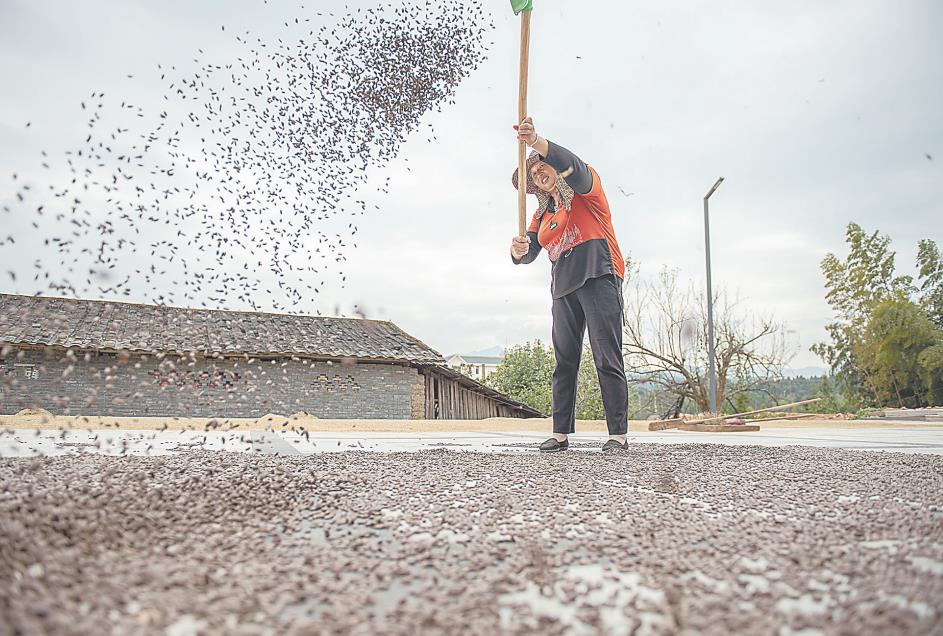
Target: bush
(525, 375)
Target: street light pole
(711, 367)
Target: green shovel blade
(522, 5)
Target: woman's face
(544, 176)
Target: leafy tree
(931, 361)
(930, 279)
(855, 286)
(891, 354)
(887, 339)
(525, 374)
(832, 399)
(741, 403)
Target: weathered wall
(418, 400)
(101, 384)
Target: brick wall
(418, 402)
(103, 384)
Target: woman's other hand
(520, 245)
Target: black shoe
(554, 446)
(613, 445)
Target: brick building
(82, 357)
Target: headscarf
(564, 191)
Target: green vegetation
(930, 279)
(588, 394)
(525, 375)
(887, 338)
(885, 344)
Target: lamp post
(711, 368)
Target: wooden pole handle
(521, 114)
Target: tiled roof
(114, 326)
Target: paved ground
(26, 442)
(301, 421)
(668, 538)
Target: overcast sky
(816, 113)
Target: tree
(898, 354)
(930, 279)
(931, 361)
(589, 404)
(887, 338)
(833, 400)
(525, 375)
(665, 341)
(855, 286)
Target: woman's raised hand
(526, 131)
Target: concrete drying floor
(24, 442)
(664, 539)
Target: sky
(816, 114)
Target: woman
(574, 225)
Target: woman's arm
(541, 145)
(562, 160)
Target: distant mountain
(806, 372)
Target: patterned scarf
(564, 191)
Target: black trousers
(597, 305)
